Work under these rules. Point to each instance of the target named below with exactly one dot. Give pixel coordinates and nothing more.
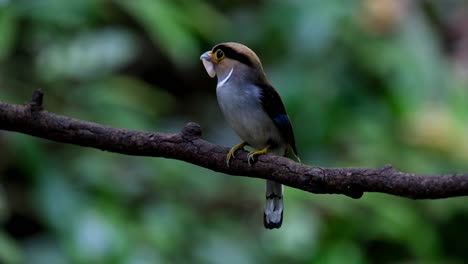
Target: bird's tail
(273, 214)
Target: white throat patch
(221, 83)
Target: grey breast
(241, 106)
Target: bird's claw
(252, 157)
(228, 157)
(232, 151)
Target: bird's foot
(252, 157)
(233, 151)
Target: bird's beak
(207, 59)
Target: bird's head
(230, 56)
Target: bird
(255, 111)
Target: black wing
(274, 107)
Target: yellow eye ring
(219, 54)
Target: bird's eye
(219, 54)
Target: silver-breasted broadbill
(254, 110)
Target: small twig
(35, 105)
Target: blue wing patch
(284, 125)
(274, 107)
(282, 121)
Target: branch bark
(188, 146)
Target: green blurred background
(365, 82)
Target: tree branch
(187, 145)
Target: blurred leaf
(195, 16)
(166, 226)
(341, 252)
(88, 55)
(43, 250)
(60, 202)
(97, 238)
(9, 251)
(8, 31)
(72, 14)
(163, 20)
(144, 255)
(221, 247)
(120, 101)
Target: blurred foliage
(365, 82)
